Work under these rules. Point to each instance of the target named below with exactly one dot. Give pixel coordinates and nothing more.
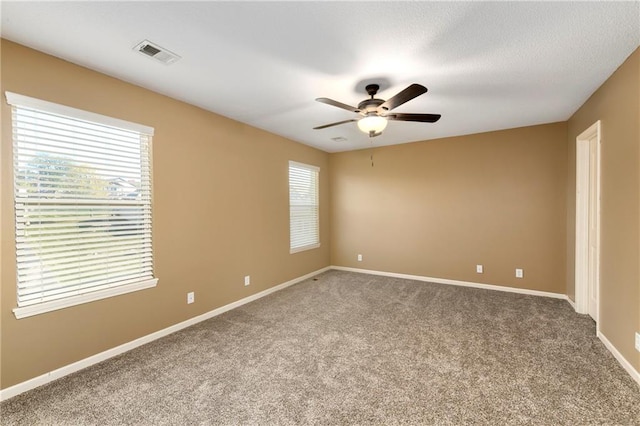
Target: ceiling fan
(375, 112)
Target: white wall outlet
(519, 273)
(247, 280)
(359, 258)
(479, 269)
(638, 342)
(191, 297)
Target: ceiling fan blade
(338, 104)
(335, 124)
(406, 95)
(424, 118)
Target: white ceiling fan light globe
(372, 123)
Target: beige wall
(617, 104)
(437, 208)
(220, 212)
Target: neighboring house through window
(304, 209)
(82, 188)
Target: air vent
(339, 139)
(150, 50)
(156, 52)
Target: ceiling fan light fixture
(372, 124)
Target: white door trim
(585, 191)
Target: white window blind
(82, 186)
(303, 207)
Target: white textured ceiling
(488, 66)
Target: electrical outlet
(519, 273)
(191, 297)
(479, 269)
(359, 258)
(247, 280)
(638, 342)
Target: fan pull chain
(371, 156)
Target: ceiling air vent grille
(156, 52)
(150, 50)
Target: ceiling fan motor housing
(369, 105)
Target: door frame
(583, 192)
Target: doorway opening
(587, 273)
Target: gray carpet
(356, 349)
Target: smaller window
(304, 212)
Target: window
(82, 188)
(303, 207)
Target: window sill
(41, 308)
(305, 248)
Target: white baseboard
(635, 375)
(94, 359)
(455, 282)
